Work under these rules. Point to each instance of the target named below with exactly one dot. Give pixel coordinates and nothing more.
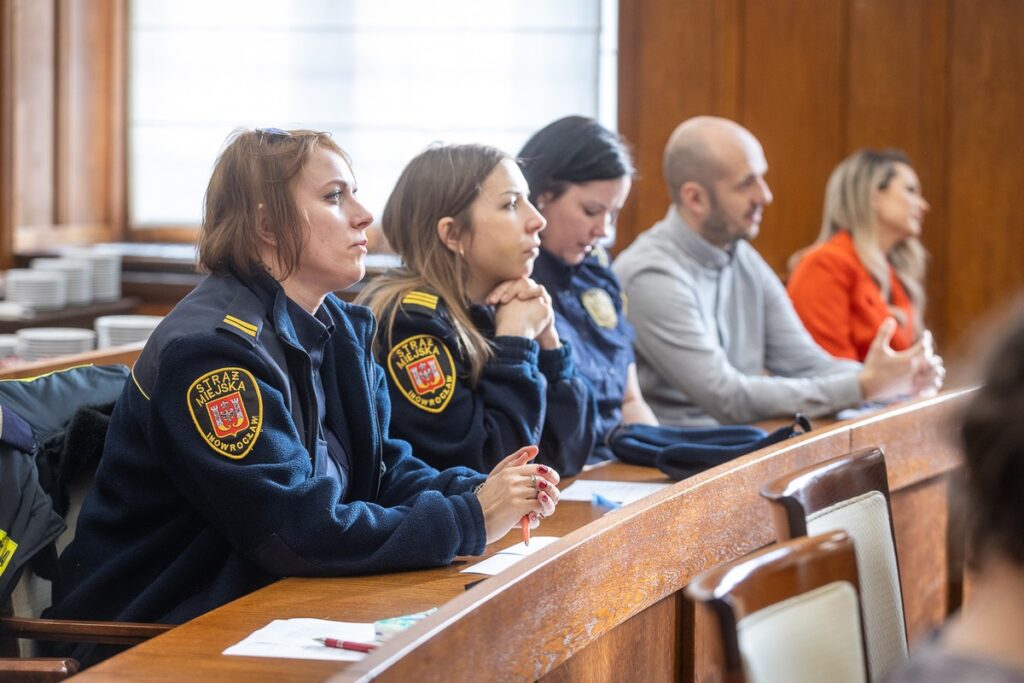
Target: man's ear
(446, 232)
(694, 198)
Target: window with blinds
(386, 77)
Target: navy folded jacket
(682, 452)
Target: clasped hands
(523, 309)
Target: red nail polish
(541, 484)
(542, 469)
(544, 497)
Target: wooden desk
(604, 602)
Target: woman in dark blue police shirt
(580, 175)
(252, 442)
(474, 361)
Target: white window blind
(386, 77)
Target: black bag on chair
(682, 452)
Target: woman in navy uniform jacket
(473, 358)
(580, 175)
(252, 441)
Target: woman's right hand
(515, 489)
(522, 309)
(888, 374)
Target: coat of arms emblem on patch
(227, 409)
(424, 371)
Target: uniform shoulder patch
(227, 409)
(600, 307)
(240, 325)
(418, 301)
(423, 371)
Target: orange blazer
(841, 305)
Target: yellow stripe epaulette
(240, 324)
(423, 299)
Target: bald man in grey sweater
(717, 338)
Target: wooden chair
(22, 622)
(788, 613)
(851, 493)
(16, 663)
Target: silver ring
(533, 480)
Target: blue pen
(598, 499)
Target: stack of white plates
(79, 273)
(117, 330)
(8, 345)
(38, 289)
(35, 343)
(106, 272)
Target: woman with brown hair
(469, 342)
(253, 440)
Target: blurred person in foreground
(984, 643)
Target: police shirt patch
(600, 307)
(423, 370)
(227, 409)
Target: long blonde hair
(848, 206)
(441, 182)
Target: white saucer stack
(8, 345)
(106, 272)
(79, 272)
(42, 290)
(36, 343)
(118, 330)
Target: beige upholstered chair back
(806, 639)
(866, 519)
(851, 493)
(788, 613)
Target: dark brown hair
(992, 434)
(254, 174)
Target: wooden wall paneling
(671, 59)
(64, 68)
(629, 646)
(793, 76)
(986, 232)
(6, 132)
(83, 111)
(896, 94)
(32, 143)
(920, 520)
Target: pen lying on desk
(347, 644)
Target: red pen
(347, 644)
(525, 523)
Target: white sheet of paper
(619, 491)
(499, 562)
(295, 639)
(862, 410)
